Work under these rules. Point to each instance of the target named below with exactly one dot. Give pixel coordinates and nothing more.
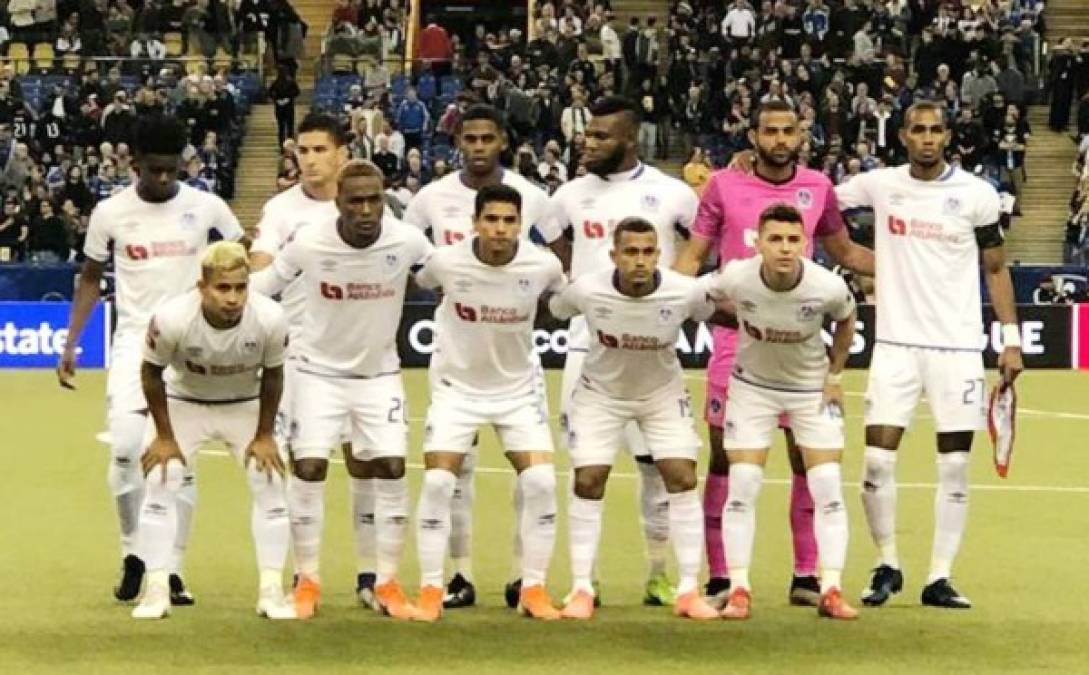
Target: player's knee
(720, 462)
(124, 476)
(680, 482)
(357, 468)
(438, 485)
(745, 482)
(538, 481)
(310, 470)
(388, 468)
(170, 476)
(589, 484)
(956, 441)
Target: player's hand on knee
(832, 399)
(744, 161)
(265, 454)
(66, 369)
(1010, 364)
(160, 453)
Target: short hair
(783, 213)
(633, 224)
(360, 168)
(611, 105)
(496, 193)
(483, 111)
(159, 134)
(774, 106)
(925, 104)
(323, 122)
(223, 256)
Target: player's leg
(361, 499)
(891, 396)
(595, 430)
(524, 431)
(381, 437)
(460, 592)
(158, 517)
(449, 435)
(956, 389)
(321, 406)
(187, 508)
(804, 585)
(715, 493)
(653, 517)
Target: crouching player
(225, 350)
(780, 299)
(634, 312)
(484, 372)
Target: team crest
(809, 310)
(804, 197)
(524, 285)
(651, 202)
(391, 260)
(951, 206)
(716, 406)
(188, 219)
(665, 315)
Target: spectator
(739, 24)
(386, 159)
(283, 92)
(435, 48)
(1010, 144)
(75, 190)
(611, 49)
(14, 231)
(575, 117)
(412, 118)
(551, 165)
(48, 238)
(395, 141)
(1061, 69)
(414, 167)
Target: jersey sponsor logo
(489, 314)
(773, 335)
(635, 343)
(331, 291)
(216, 370)
(804, 198)
(921, 229)
(355, 291)
(897, 227)
(465, 312)
(136, 252)
(594, 229)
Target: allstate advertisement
(33, 334)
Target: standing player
(157, 231)
(631, 374)
(321, 149)
(727, 224)
(485, 371)
(444, 210)
(619, 186)
(934, 223)
(225, 351)
(780, 301)
(354, 273)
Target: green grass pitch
(1023, 564)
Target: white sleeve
(270, 238)
(161, 339)
(276, 345)
(225, 221)
(688, 207)
(855, 193)
(416, 214)
(840, 302)
(568, 303)
(721, 285)
(554, 221)
(97, 244)
(557, 280)
(700, 307)
(988, 207)
(422, 251)
(273, 279)
(431, 274)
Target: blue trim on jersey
(536, 237)
(934, 347)
(639, 171)
(854, 210)
(948, 174)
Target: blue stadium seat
(449, 85)
(398, 85)
(426, 87)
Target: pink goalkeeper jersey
(728, 216)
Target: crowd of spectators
(849, 68)
(372, 28)
(65, 131)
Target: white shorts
(286, 426)
(753, 415)
(453, 419)
(124, 390)
(196, 424)
(375, 408)
(572, 372)
(596, 425)
(953, 381)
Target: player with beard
(588, 209)
(728, 225)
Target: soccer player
(619, 186)
(727, 224)
(485, 371)
(157, 231)
(321, 148)
(934, 223)
(225, 352)
(444, 210)
(631, 374)
(780, 300)
(354, 272)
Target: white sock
(518, 502)
(187, 506)
(306, 505)
(390, 523)
(159, 516)
(538, 522)
(269, 522)
(654, 517)
(362, 493)
(739, 520)
(433, 524)
(461, 517)
(950, 513)
(829, 521)
(125, 476)
(686, 531)
(584, 530)
(879, 501)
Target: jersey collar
(657, 283)
(631, 174)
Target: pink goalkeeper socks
(715, 492)
(801, 525)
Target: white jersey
(779, 339)
(632, 351)
(445, 207)
(157, 246)
(592, 206)
(354, 297)
(485, 321)
(281, 218)
(211, 365)
(927, 257)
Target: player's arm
(566, 304)
(692, 255)
(86, 297)
(164, 447)
(562, 248)
(263, 449)
(704, 224)
(842, 336)
(273, 279)
(259, 260)
(847, 253)
(553, 227)
(1000, 288)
